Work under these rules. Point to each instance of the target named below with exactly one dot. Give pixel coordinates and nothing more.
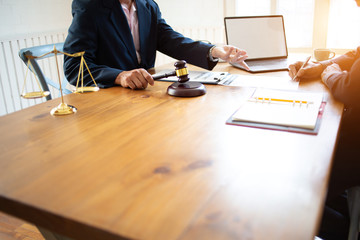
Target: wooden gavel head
(181, 71)
(183, 87)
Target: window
(334, 27)
(298, 18)
(343, 30)
(253, 7)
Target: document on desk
(206, 77)
(260, 81)
(294, 111)
(227, 79)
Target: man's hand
(230, 54)
(330, 70)
(134, 79)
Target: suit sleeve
(179, 47)
(345, 86)
(82, 36)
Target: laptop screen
(260, 36)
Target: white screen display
(261, 37)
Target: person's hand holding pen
(310, 70)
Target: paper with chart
(206, 77)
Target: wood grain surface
(141, 164)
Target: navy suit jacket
(100, 28)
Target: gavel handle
(165, 75)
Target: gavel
(181, 72)
(183, 87)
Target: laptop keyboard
(269, 63)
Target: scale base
(63, 109)
(187, 89)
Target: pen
(304, 64)
(281, 100)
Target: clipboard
(205, 77)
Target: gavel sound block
(182, 88)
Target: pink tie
(134, 26)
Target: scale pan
(86, 89)
(33, 95)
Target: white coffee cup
(322, 54)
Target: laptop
(263, 38)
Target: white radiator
(12, 69)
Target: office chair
(354, 210)
(26, 53)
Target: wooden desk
(145, 165)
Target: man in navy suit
(120, 39)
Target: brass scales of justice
(62, 108)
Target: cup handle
(331, 55)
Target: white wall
(30, 17)
(23, 17)
(192, 12)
